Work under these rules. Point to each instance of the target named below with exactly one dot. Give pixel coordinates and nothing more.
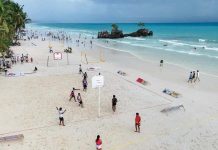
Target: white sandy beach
(28, 104)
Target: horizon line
(122, 22)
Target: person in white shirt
(61, 118)
(79, 99)
(197, 76)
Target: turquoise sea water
(191, 45)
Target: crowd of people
(78, 99)
(6, 64)
(194, 76)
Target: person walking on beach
(137, 122)
(190, 77)
(61, 118)
(193, 75)
(91, 43)
(79, 99)
(85, 76)
(197, 76)
(114, 103)
(161, 63)
(85, 84)
(98, 143)
(80, 69)
(72, 94)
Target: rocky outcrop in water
(112, 35)
(119, 34)
(140, 33)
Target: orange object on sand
(140, 80)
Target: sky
(120, 11)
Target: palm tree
(114, 27)
(12, 21)
(141, 25)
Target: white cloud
(120, 10)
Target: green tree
(114, 27)
(141, 25)
(12, 21)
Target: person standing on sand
(85, 84)
(197, 76)
(114, 103)
(91, 43)
(72, 94)
(137, 122)
(79, 99)
(80, 69)
(85, 76)
(161, 63)
(61, 118)
(98, 143)
(193, 75)
(190, 77)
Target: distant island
(116, 33)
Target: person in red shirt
(72, 94)
(98, 142)
(137, 122)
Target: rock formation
(119, 34)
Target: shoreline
(154, 62)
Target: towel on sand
(171, 93)
(142, 81)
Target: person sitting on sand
(98, 143)
(72, 94)
(121, 73)
(35, 69)
(137, 123)
(5, 70)
(114, 103)
(79, 99)
(61, 118)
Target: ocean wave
(175, 42)
(175, 51)
(124, 42)
(136, 38)
(211, 48)
(139, 57)
(202, 40)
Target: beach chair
(121, 73)
(11, 138)
(171, 93)
(141, 81)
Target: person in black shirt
(114, 103)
